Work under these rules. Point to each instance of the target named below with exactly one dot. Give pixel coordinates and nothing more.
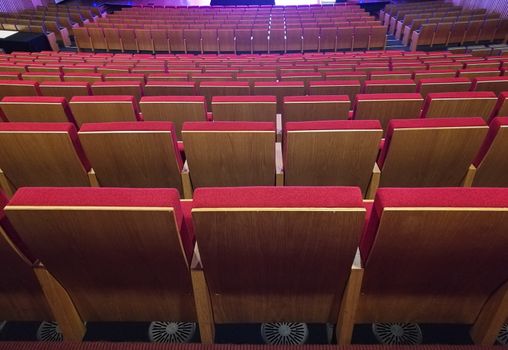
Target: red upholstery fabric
(173, 99)
(137, 126)
(3, 203)
(34, 99)
(424, 123)
(84, 75)
(333, 125)
(335, 82)
(50, 127)
(188, 239)
(228, 126)
(104, 98)
(457, 197)
(117, 83)
(278, 197)
(246, 99)
(224, 83)
(494, 127)
(278, 83)
(20, 83)
(389, 82)
(317, 98)
(114, 197)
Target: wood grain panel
(121, 264)
(210, 91)
(461, 107)
(133, 159)
(41, 159)
(493, 170)
(427, 88)
(244, 111)
(430, 157)
(325, 158)
(102, 112)
(280, 92)
(134, 90)
(277, 264)
(386, 110)
(34, 112)
(64, 91)
(230, 158)
(315, 110)
(412, 275)
(177, 112)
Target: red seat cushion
(278, 197)
(228, 126)
(106, 197)
(442, 197)
(494, 127)
(137, 126)
(424, 123)
(69, 128)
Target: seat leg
(203, 306)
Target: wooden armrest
(279, 166)
(6, 185)
(374, 182)
(186, 181)
(469, 177)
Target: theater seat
(176, 109)
(385, 107)
(331, 153)
(436, 255)
(230, 153)
(315, 107)
(494, 84)
(389, 86)
(127, 258)
(491, 162)
(133, 154)
(67, 89)
(279, 89)
(252, 240)
(210, 89)
(19, 88)
(244, 108)
(132, 88)
(93, 109)
(432, 85)
(41, 154)
(335, 87)
(169, 88)
(459, 104)
(36, 109)
(429, 152)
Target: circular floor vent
(171, 332)
(397, 333)
(502, 337)
(291, 333)
(49, 331)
